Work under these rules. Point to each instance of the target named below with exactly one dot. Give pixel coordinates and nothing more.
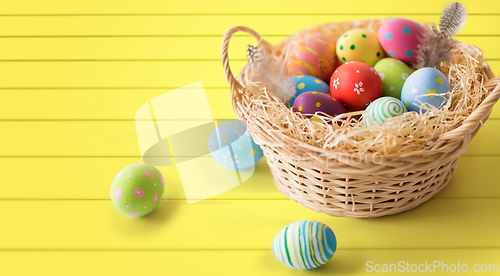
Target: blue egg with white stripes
(305, 244)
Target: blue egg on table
(231, 145)
(304, 83)
(305, 244)
(425, 86)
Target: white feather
(452, 19)
(272, 74)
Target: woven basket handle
(233, 82)
(481, 112)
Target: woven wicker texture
(346, 184)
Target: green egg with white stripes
(305, 244)
(382, 109)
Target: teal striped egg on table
(305, 244)
(382, 109)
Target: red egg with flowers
(356, 85)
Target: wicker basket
(340, 184)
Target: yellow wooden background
(72, 75)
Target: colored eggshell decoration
(400, 37)
(359, 45)
(424, 86)
(137, 190)
(235, 149)
(308, 103)
(304, 83)
(356, 84)
(304, 244)
(393, 73)
(382, 109)
(312, 55)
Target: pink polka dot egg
(137, 190)
(400, 37)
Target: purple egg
(309, 103)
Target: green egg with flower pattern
(137, 190)
(393, 73)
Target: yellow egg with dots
(359, 45)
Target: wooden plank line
(121, 36)
(259, 186)
(213, 199)
(222, 249)
(120, 139)
(253, 225)
(132, 156)
(230, 14)
(109, 88)
(119, 60)
(106, 88)
(179, 35)
(262, 263)
(143, 249)
(122, 120)
(106, 120)
(173, 199)
(70, 156)
(138, 60)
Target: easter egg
(383, 109)
(312, 55)
(393, 73)
(400, 37)
(304, 244)
(423, 86)
(356, 84)
(359, 45)
(231, 145)
(304, 83)
(309, 103)
(137, 190)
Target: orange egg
(312, 55)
